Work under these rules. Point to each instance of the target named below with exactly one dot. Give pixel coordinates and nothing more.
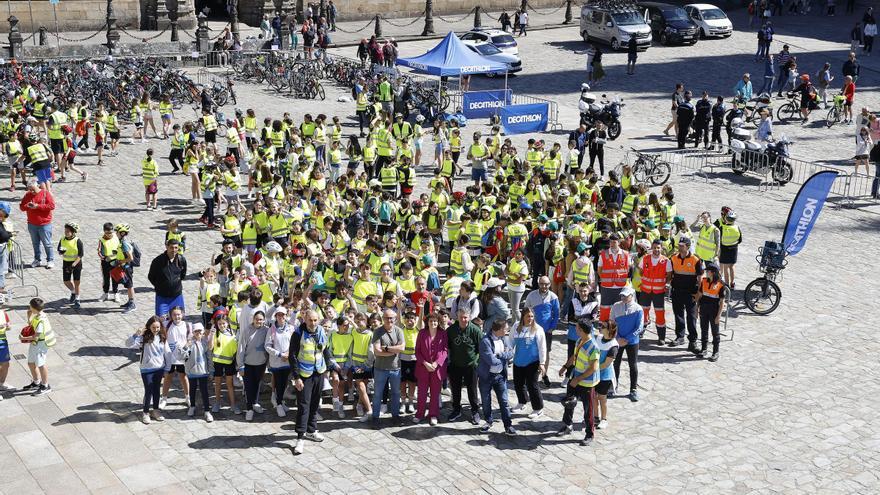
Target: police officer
(703, 113)
(684, 116)
(686, 272)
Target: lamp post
(173, 15)
(235, 28)
(429, 18)
(112, 33)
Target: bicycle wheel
(787, 112)
(320, 91)
(762, 296)
(833, 117)
(640, 171)
(660, 173)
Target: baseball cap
(627, 291)
(494, 282)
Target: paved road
(770, 417)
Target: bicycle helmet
(5, 208)
(72, 226)
(805, 77)
(122, 228)
(238, 112)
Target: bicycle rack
(16, 267)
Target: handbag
(117, 273)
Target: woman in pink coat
(431, 350)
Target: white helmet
(736, 122)
(585, 87)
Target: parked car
(669, 23)
(492, 52)
(501, 39)
(711, 20)
(614, 26)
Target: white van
(614, 27)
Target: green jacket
(464, 346)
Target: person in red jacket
(38, 204)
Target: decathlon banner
(479, 104)
(519, 119)
(805, 210)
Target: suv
(614, 26)
(670, 23)
(502, 39)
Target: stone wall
(79, 15)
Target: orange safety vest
(686, 266)
(654, 275)
(713, 290)
(615, 270)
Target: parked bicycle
(762, 295)
(835, 113)
(649, 168)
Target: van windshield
(627, 18)
(712, 14)
(675, 15)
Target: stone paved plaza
(791, 406)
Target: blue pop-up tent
(451, 57)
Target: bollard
(43, 40)
(429, 18)
(15, 39)
(112, 32)
(378, 29)
(567, 12)
(173, 16)
(203, 44)
(477, 21)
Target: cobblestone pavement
(769, 417)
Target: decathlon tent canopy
(451, 57)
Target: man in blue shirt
(545, 305)
(628, 317)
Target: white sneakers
(209, 418)
(602, 424)
(279, 409)
(337, 406)
(365, 417)
(249, 415)
(536, 414)
(117, 297)
(191, 412)
(433, 422)
(300, 446)
(315, 436)
(258, 408)
(145, 418)
(517, 408)
(272, 399)
(155, 415)
(104, 297)
(163, 401)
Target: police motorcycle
(752, 156)
(606, 111)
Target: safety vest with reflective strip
(149, 171)
(705, 249)
(70, 249)
(474, 231)
(250, 124)
(383, 142)
(551, 167)
(456, 261)
(209, 122)
(410, 335)
(586, 352)
(362, 289)
(686, 266)
(39, 110)
(629, 203)
(109, 247)
(388, 175)
(46, 333)
(279, 226)
(580, 272)
(232, 137)
(401, 131)
(340, 344)
(534, 157)
(637, 274)
(249, 234)
(165, 108)
(361, 103)
(447, 168)
(360, 349)
(38, 153)
(730, 234)
(13, 148)
(311, 356)
(112, 123)
(654, 274)
(615, 269)
(232, 226)
(225, 347)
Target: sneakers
(31, 386)
(36, 264)
(50, 265)
(258, 408)
(71, 298)
(279, 409)
(273, 400)
(117, 297)
(366, 417)
(156, 415)
(145, 418)
(191, 411)
(454, 416)
(536, 414)
(6, 388)
(249, 415)
(337, 405)
(340, 413)
(634, 395)
(713, 357)
(299, 447)
(486, 427)
(163, 402)
(359, 409)
(510, 431)
(517, 408)
(45, 389)
(409, 408)
(586, 441)
(76, 304)
(128, 307)
(416, 420)
(676, 342)
(315, 436)
(692, 348)
(383, 409)
(602, 424)
(209, 418)
(432, 422)
(215, 409)
(236, 410)
(475, 419)
(546, 381)
(564, 431)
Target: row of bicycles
(789, 111)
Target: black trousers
(281, 376)
(526, 377)
(708, 312)
(632, 361)
(716, 131)
(199, 385)
(585, 396)
(252, 376)
(468, 376)
(702, 131)
(308, 400)
(107, 281)
(176, 159)
(598, 151)
(683, 305)
(684, 127)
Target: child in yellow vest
(41, 338)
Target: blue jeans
(380, 379)
(42, 234)
(497, 383)
(875, 184)
(768, 85)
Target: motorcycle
(608, 112)
(752, 156)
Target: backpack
(372, 208)
(489, 237)
(355, 221)
(385, 211)
(135, 254)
